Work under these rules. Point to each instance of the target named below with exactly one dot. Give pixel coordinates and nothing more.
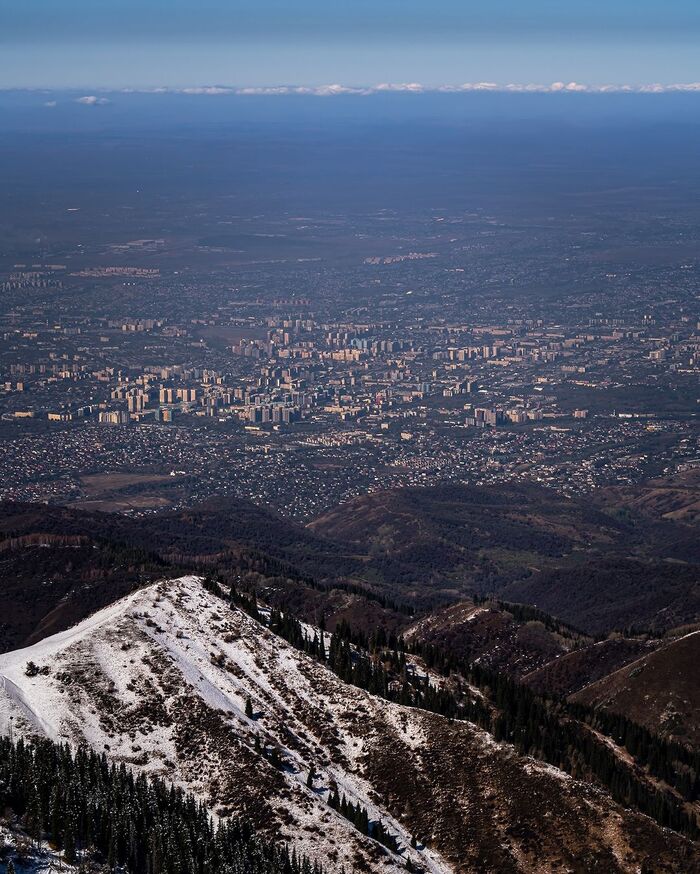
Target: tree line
(93, 810)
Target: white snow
(175, 639)
(34, 859)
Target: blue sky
(177, 43)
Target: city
(395, 371)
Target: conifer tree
(137, 824)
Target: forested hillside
(97, 813)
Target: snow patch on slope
(160, 681)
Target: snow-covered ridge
(146, 679)
(161, 680)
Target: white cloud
(92, 100)
(212, 89)
(335, 89)
(412, 87)
(330, 90)
(520, 88)
(51, 103)
(481, 86)
(688, 86)
(465, 86)
(316, 90)
(254, 91)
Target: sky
(182, 43)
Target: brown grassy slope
(492, 637)
(574, 670)
(676, 497)
(660, 690)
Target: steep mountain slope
(491, 636)
(27, 857)
(659, 690)
(610, 594)
(599, 568)
(207, 530)
(571, 672)
(454, 539)
(161, 680)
